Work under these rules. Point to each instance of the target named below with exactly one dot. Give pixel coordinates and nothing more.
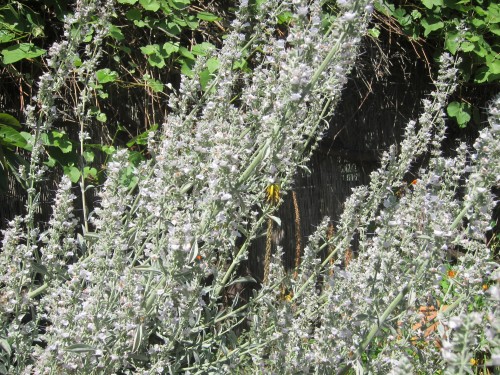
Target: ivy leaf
(374, 32)
(88, 156)
(429, 4)
(416, 14)
(179, 4)
(152, 83)
(467, 46)
(155, 55)
(57, 139)
(51, 162)
(130, 2)
(101, 117)
(155, 85)
(192, 23)
(186, 53)
(186, 68)
(285, 18)
(133, 14)
(207, 16)
(494, 66)
(493, 13)
(89, 172)
(5, 36)
(150, 49)
(170, 48)
(431, 24)
(21, 51)
(74, 175)
(116, 33)
(156, 60)
(451, 42)
(461, 112)
(212, 64)
(151, 5)
(205, 77)
(173, 28)
(488, 73)
(106, 75)
(108, 149)
(202, 49)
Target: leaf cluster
(148, 43)
(466, 28)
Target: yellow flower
(273, 193)
(473, 362)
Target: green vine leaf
(106, 75)
(21, 51)
(116, 33)
(59, 140)
(101, 117)
(202, 49)
(170, 48)
(431, 24)
(11, 137)
(429, 4)
(186, 53)
(207, 16)
(461, 112)
(152, 83)
(452, 41)
(72, 172)
(9, 120)
(212, 64)
(151, 5)
(133, 14)
(150, 49)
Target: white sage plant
(387, 310)
(140, 288)
(28, 255)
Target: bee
(273, 193)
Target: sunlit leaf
(152, 5)
(106, 75)
(72, 172)
(461, 112)
(207, 16)
(116, 33)
(10, 136)
(21, 51)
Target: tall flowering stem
(29, 255)
(152, 276)
(366, 315)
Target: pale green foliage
(140, 289)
